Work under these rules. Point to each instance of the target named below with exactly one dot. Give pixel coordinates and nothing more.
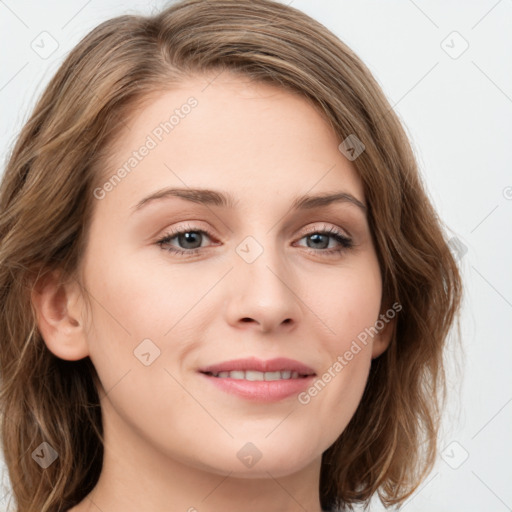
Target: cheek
(145, 300)
(348, 300)
(139, 308)
(348, 304)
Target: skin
(171, 438)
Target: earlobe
(58, 308)
(384, 336)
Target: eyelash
(346, 243)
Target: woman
(290, 358)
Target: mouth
(259, 380)
(254, 369)
(253, 375)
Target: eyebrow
(224, 200)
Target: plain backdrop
(446, 68)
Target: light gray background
(457, 109)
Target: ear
(386, 326)
(59, 307)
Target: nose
(264, 295)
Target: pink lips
(260, 391)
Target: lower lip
(261, 390)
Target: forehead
(228, 133)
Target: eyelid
(196, 226)
(327, 228)
(345, 242)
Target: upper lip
(259, 365)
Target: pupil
(316, 237)
(188, 238)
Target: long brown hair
(46, 201)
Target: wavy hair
(46, 203)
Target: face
(182, 281)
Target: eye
(319, 240)
(189, 237)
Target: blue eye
(190, 238)
(320, 237)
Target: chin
(249, 462)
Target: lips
(259, 365)
(258, 380)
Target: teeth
(252, 375)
